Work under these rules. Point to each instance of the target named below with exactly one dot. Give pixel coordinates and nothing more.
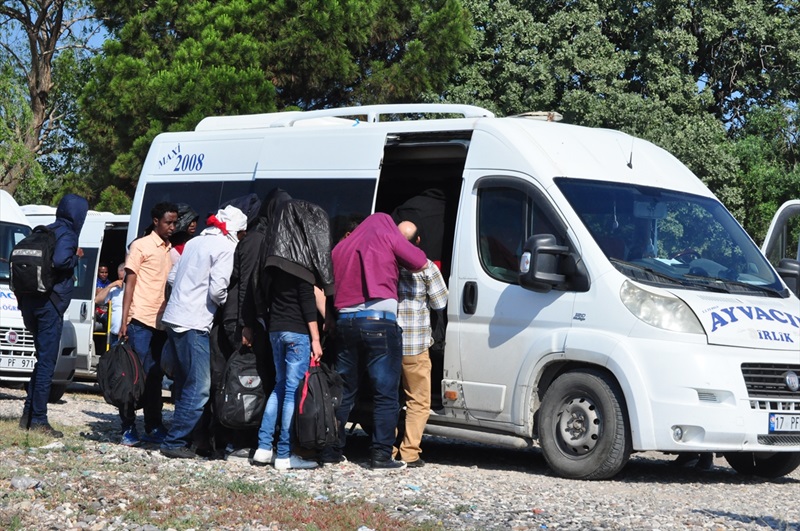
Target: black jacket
(301, 243)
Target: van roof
(50, 211)
(10, 211)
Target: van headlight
(662, 311)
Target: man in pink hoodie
(366, 272)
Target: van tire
(591, 404)
(56, 393)
(763, 464)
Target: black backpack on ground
(31, 263)
(120, 376)
(315, 418)
(240, 399)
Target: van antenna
(630, 160)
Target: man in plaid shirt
(418, 293)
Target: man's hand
(316, 349)
(79, 252)
(247, 337)
(123, 331)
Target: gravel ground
(464, 485)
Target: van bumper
(701, 399)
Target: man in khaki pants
(418, 293)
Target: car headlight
(662, 311)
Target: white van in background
(602, 300)
(17, 350)
(782, 243)
(102, 239)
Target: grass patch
(12, 436)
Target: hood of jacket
(301, 243)
(72, 210)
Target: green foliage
(170, 64)
(15, 121)
(684, 76)
(112, 199)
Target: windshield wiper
(720, 282)
(649, 270)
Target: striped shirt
(417, 294)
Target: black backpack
(240, 400)
(31, 261)
(121, 377)
(315, 418)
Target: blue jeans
(45, 323)
(147, 342)
(292, 354)
(376, 345)
(192, 377)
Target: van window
(340, 198)
(84, 277)
(10, 235)
(664, 237)
(508, 215)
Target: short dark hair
(158, 211)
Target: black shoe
(419, 463)
(331, 457)
(46, 429)
(178, 453)
(387, 464)
(24, 420)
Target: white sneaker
(263, 457)
(294, 462)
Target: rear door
(81, 309)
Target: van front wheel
(583, 428)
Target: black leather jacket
(301, 243)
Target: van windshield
(668, 238)
(10, 235)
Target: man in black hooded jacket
(44, 314)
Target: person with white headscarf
(200, 287)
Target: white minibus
(102, 239)
(602, 300)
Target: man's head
(409, 230)
(102, 272)
(121, 271)
(165, 216)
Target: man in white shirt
(201, 286)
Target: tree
(169, 64)
(683, 75)
(34, 34)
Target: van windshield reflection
(663, 237)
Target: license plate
(783, 422)
(17, 362)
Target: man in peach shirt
(147, 268)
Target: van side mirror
(539, 263)
(789, 271)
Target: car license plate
(783, 422)
(17, 362)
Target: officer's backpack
(240, 400)
(31, 263)
(320, 395)
(121, 377)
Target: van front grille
(16, 341)
(779, 440)
(768, 380)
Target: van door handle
(469, 300)
(84, 312)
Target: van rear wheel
(763, 464)
(583, 428)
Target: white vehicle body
(17, 350)
(102, 239)
(695, 347)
